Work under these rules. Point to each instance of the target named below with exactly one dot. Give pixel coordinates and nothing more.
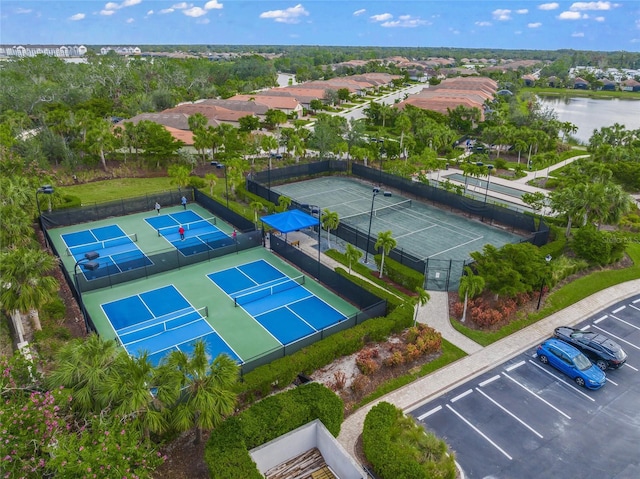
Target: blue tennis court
(200, 235)
(160, 321)
(281, 304)
(117, 251)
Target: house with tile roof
(289, 105)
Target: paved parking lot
(524, 419)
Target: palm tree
(256, 206)
(352, 254)
(179, 175)
(127, 390)
(421, 300)
(83, 365)
(470, 285)
(16, 230)
(387, 243)
(202, 392)
(26, 284)
(284, 202)
(211, 179)
(330, 221)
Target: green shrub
(400, 274)
(227, 451)
(197, 182)
(598, 247)
(398, 447)
(69, 201)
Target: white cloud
(577, 35)
(382, 17)
(522, 11)
(129, 20)
(591, 6)
(213, 5)
(23, 10)
(150, 12)
(290, 15)
(638, 23)
(130, 3)
(570, 16)
(202, 21)
(405, 21)
(454, 31)
(117, 6)
(111, 6)
(107, 13)
(180, 6)
(166, 10)
(483, 24)
(195, 12)
(359, 12)
(77, 16)
(549, 6)
(501, 14)
(534, 25)
(599, 19)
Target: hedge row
(395, 448)
(401, 274)
(227, 451)
(282, 372)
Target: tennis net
(383, 210)
(203, 223)
(110, 243)
(156, 326)
(270, 290)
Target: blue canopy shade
(289, 221)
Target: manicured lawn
(110, 190)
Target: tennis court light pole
(91, 265)
(47, 190)
(373, 199)
(486, 191)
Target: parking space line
(538, 396)
(490, 380)
(510, 413)
(635, 301)
(635, 307)
(460, 396)
(612, 382)
(618, 338)
(629, 366)
(429, 413)
(619, 309)
(480, 432)
(625, 322)
(514, 366)
(562, 381)
(600, 319)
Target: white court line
(478, 238)
(600, 319)
(612, 382)
(625, 322)
(429, 413)
(490, 380)
(562, 381)
(629, 366)
(618, 338)
(538, 396)
(514, 366)
(510, 413)
(411, 232)
(480, 432)
(619, 309)
(460, 396)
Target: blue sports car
(572, 362)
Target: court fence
(369, 304)
(260, 184)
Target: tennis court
(201, 234)
(160, 321)
(116, 250)
(423, 230)
(279, 303)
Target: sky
(505, 24)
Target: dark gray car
(602, 351)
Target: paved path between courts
(479, 359)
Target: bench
(295, 243)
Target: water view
(590, 114)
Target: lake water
(590, 114)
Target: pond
(590, 114)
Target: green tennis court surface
(420, 229)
